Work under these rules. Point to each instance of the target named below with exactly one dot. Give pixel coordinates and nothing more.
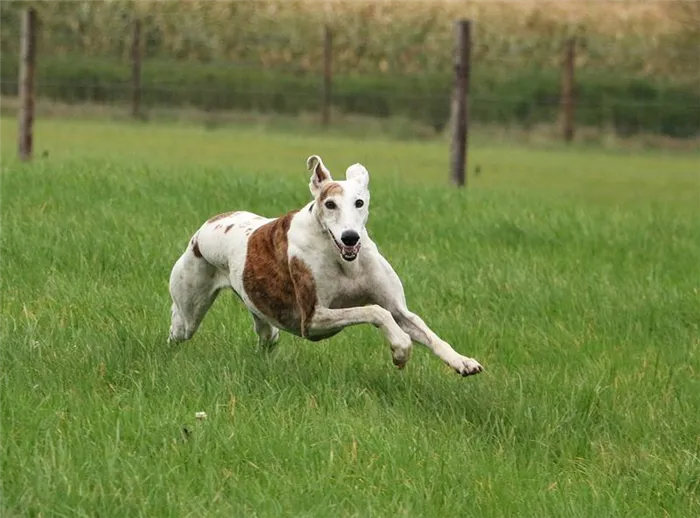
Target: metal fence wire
(523, 87)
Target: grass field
(572, 275)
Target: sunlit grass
(571, 274)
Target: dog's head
(342, 207)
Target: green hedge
(520, 97)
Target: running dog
(311, 272)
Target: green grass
(570, 274)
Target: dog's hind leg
(194, 285)
(268, 335)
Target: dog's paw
(175, 338)
(467, 366)
(401, 352)
(400, 357)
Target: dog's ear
(319, 173)
(358, 173)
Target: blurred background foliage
(637, 62)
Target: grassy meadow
(571, 274)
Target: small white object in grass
(201, 415)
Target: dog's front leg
(420, 332)
(387, 291)
(326, 320)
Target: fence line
(125, 88)
(294, 88)
(483, 65)
(327, 75)
(567, 90)
(26, 85)
(136, 69)
(10, 87)
(460, 103)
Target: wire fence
(512, 91)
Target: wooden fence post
(460, 102)
(567, 90)
(27, 68)
(327, 75)
(136, 69)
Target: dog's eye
(330, 205)
(359, 203)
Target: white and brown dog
(310, 272)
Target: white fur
(365, 290)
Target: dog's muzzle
(347, 251)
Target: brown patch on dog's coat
(195, 249)
(330, 189)
(221, 216)
(282, 291)
(228, 227)
(305, 291)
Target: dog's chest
(337, 290)
(349, 300)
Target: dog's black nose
(350, 238)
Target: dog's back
(223, 240)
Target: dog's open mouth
(349, 253)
